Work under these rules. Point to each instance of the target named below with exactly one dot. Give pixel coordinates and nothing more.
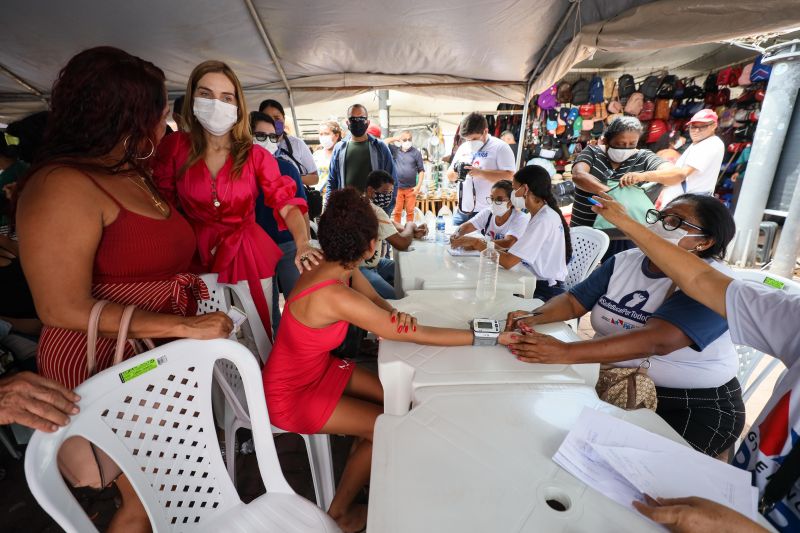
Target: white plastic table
(406, 368)
(481, 461)
(427, 265)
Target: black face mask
(358, 126)
(382, 199)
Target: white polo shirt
(301, 152)
(515, 226)
(494, 155)
(706, 158)
(541, 248)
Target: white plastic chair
(236, 416)
(157, 425)
(750, 357)
(588, 247)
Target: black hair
(8, 150)
(505, 185)
(473, 123)
(363, 108)
(621, 125)
(177, 105)
(538, 181)
(271, 103)
(716, 221)
(378, 178)
(30, 132)
(347, 227)
(257, 116)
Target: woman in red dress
(214, 172)
(92, 226)
(310, 391)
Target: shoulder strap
(315, 287)
(102, 189)
(486, 226)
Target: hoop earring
(148, 156)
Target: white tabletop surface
(481, 461)
(427, 265)
(407, 368)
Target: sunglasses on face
(669, 221)
(261, 137)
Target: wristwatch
(485, 332)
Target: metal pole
(275, 60)
(383, 112)
(769, 138)
(785, 258)
(24, 83)
(523, 125)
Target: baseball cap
(704, 115)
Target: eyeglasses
(496, 201)
(669, 221)
(700, 126)
(261, 136)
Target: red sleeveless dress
(302, 380)
(139, 261)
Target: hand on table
(36, 402)
(307, 257)
(404, 321)
(420, 231)
(467, 243)
(535, 347)
(696, 515)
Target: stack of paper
(461, 252)
(624, 461)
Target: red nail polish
(415, 328)
(399, 328)
(406, 329)
(393, 319)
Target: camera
(462, 170)
(564, 192)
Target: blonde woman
(214, 173)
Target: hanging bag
(82, 463)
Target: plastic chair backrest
(157, 425)
(588, 247)
(218, 299)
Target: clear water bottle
(440, 227)
(487, 272)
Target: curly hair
(347, 227)
(103, 96)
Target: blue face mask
(279, 127)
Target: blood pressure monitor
(485, 332)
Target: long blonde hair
(242, 138)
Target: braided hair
(539, 184)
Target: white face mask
(326, 141)
(406, 146)
(216, 116)
(518, 201)
(500, 210)
(618, 155)
(476, 145)
(674, 236)
(270, 146)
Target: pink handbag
(81, 463)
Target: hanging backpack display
(586, 110)
(634, 104)
(596, 90)
(729, 77)
(614, 106)
(710, 85)
(760, 71)
(680, 90)
(648, 111)
(662, 109)
(547, 100)
(693, 91)
(656, 129)
(580, 92)
(598, 128)
(723, 97)
(667, 87)
(564, 92)
(744, 77)
(626, 86)
(649, 87)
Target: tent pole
(523, 125)
(24, 83)
(785, 257)
(275, 60)
(771, 131)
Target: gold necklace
(145, 186)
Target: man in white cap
(698, 167)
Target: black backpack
(710, 85)
(649, 87)
(693, 91)
(667, 87)
(626, 86)
(580, 92)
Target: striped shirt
(600, 168)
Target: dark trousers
(544, 291)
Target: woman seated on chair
(640, 320)
(310, 391)
(544, 248)
(501, 221)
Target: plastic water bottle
(440, 227)
(487, 272)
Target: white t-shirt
(514, 227)
(706, 158)
(767, 319)
(323, 163)
(541, 247)
(385, 230)
(301, 152)
(494, 155)
(623, 295)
